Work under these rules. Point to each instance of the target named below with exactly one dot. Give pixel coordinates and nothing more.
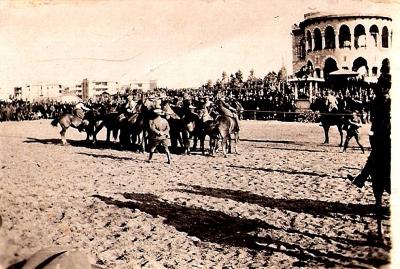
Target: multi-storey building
(323, 43)
(36, 90)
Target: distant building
(323, 43)
(38, 90)
(96, 88)
(144, 86)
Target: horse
(111, 120)
(225, 126)
(329, 118)
(134, 128)
(68, 120)
(208, 128)
(175, 123)
(183, 128)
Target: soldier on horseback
(225, 109)
(331, 102)
(79, 112)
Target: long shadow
(288, 142)
(218, 227)
(293, 172)
(308, 206)
(78, 143)
(106, 156)
(295, 149)
(273, 141)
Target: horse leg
(62, 133)
(236, 142)
(326, 132)
(186, 142)
(341, 135)
(224, 144)
(194, 142)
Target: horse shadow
(218, 227)
(82, 144)
(293, 172)
(313, 207)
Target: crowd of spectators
(18, 110)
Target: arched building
(323, 43)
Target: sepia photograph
(199, 134)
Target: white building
(30, 91)
(94, 88)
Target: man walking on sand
(353, 124)
(159, 134)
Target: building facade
(32, 91)
(323, 43)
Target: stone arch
(359, 63)
(329, 38)
(359, 36)
(329, 66)
(317, 39)
(374, 32)
(308, 41)
(344, 36)
(385, 37)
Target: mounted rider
(79, 113)
(223, 108)
(130, 105)
(331, 102)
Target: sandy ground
(282, 203)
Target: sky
(179, 43)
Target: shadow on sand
(218, 227)
(293, 172)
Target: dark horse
(329, 118)
(134, 128)
(91, 120)
(183, 128)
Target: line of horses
(132, 129)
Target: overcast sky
(180, 43)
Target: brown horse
(225, 127)
(89, 124)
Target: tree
(239, 75)
(282, 74)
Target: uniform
(159, 134)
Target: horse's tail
(55, 121)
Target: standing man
(159, 134)
(353, 124)
(378, 162)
